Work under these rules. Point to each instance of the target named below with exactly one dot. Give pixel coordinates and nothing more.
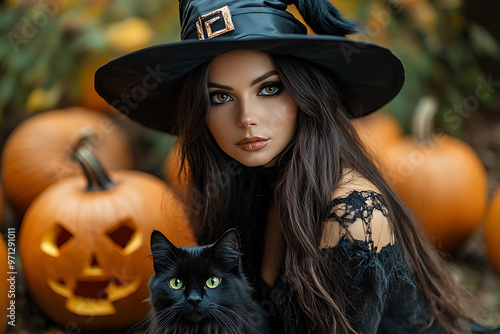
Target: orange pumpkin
(36, 152)
(6, 295)
(84, 245)
(377, 131)
(492, 232)
(440, 178)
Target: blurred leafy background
(50, 49)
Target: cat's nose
(194, 298)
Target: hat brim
(142, 84)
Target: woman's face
(251, 116)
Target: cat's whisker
(231, 319)
(149, 320)
(227, 309)
(162, 319)
(140, 324)
(216, 318)
(169, 317)
(225, 320)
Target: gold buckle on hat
(226, 15)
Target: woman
(263, 123)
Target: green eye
(175, 283)
(213, 282)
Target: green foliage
(439, 47)
(43, 47)
(44, 44)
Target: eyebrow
(215, 85)
(253, 83)
(264, 77)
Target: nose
(248, 115)
(194, 297)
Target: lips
(252, 143)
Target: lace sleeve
(366, 274)
(361, 215)
(367, 270)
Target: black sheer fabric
(379, 282)
(358, 205)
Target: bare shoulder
(353, 180)
(358, 212)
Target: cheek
(283, 119)
(290, 117)
(210, 118)
(215, 125)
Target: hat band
(228, 22)
(222, 22)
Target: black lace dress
(380, 284)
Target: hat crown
(196, 8)
(261, 18)
(192, 9)
(198, 11)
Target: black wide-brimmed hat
(143, 84)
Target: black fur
(196, 308)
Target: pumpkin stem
(423, 119)
(97, 178)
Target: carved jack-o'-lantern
(85, 249)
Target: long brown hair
(309, 169)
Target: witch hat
(143, 84)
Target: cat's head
(194, 283)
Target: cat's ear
(161, 249)
(228, 247)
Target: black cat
(202, 289)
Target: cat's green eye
(175, 283)
(213, 282)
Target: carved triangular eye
(125, 236)
(122, 235)
(62, 236)
(56, 239)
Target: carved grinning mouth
(91, 290)
(91, 297)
